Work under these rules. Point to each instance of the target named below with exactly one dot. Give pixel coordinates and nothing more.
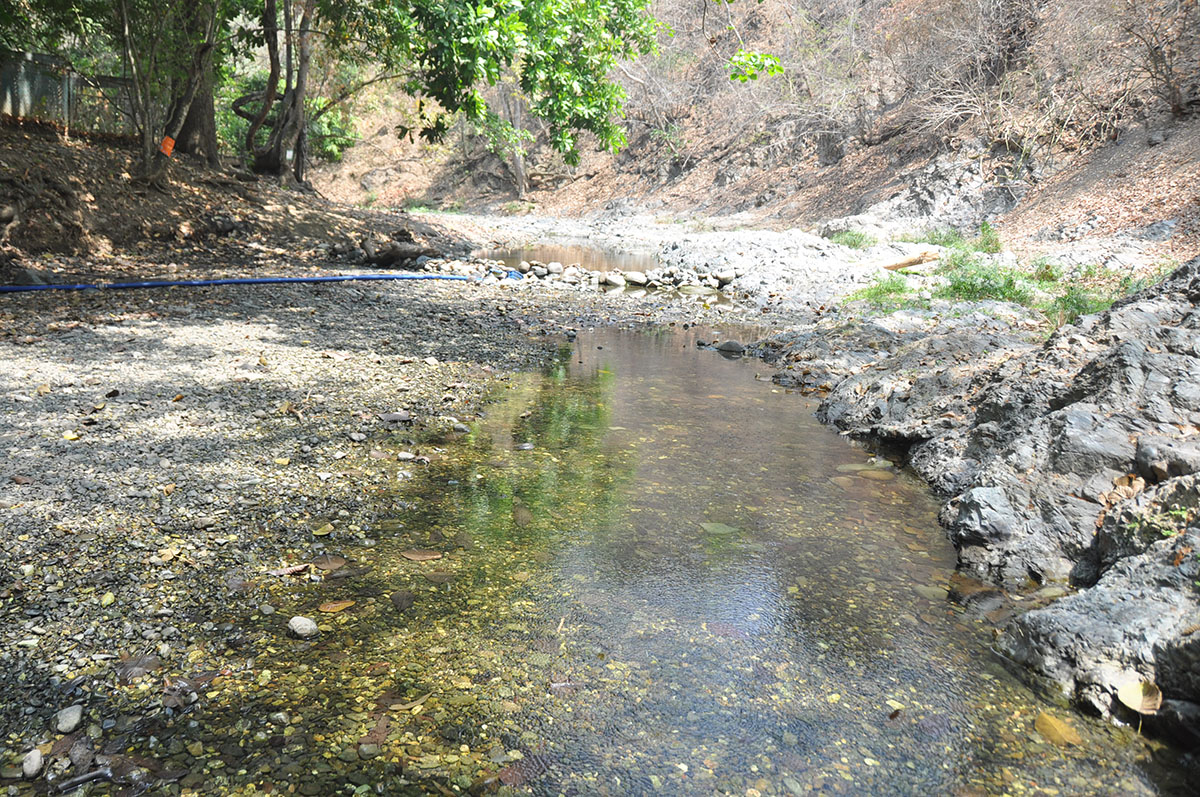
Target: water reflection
(645, 571)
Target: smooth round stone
(69, 718)
(731, 347)
(31, 764)
(366, 751)
(302, 627)
(877, 475)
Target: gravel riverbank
(163, 449)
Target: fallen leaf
(22, 480)
(329, 562)
(524, 770)
(440, 577)
(178, 397)
(421, 555)
(283, 461)
(324, 531)
(290, 570)
(411, 705)
(335, 606)
(43, 389)
(132, 667)
(70, 435)
(1056, 731)
(1144, 697)
(718, 528)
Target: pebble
(69, 718)
(302, 627)
(366, 751)
(731, 346)
(31, 764)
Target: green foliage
(748, 65)
(988, 240)
(331, 133)
(969, 278)
(888, 292)
(947, 236)
(855, 239)
(1046, 270)
(1074, 302)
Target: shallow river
(656, 574)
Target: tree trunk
(284, 150)
(199, 133)
(154, 167)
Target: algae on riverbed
(612, 643)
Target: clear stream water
(657, 574)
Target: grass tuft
(855, 239)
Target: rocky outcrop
(1075, 460)
(1139, 622)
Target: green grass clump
(947, 237)
(1075, 302)
(988, 241)
(855, 239)
(888, 292)
(972, 280)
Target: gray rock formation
(1075, 460)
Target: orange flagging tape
(167, 146)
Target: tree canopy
(559, 52)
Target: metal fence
(45, 88)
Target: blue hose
(232, 281)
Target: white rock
(302, 627)
(635, 278)
(69, 718)
(31, 764)
(614, 279)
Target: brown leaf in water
(353, 572)
(64, 744)
(1056, 731)
(132, 667)
(522, 516)
(290, 570)
(377, 734)
(411, 704)
(421, 555)
(403, 600)
(440, 577)
(335, 606)
(1144, 697)
(329, 562)
(524, 770)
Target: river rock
(1136, 623)
(32, 763)
(68, 719)
(731, 347)
(1039, 445)
(302, 627)
(635, 278)
(614, 279)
